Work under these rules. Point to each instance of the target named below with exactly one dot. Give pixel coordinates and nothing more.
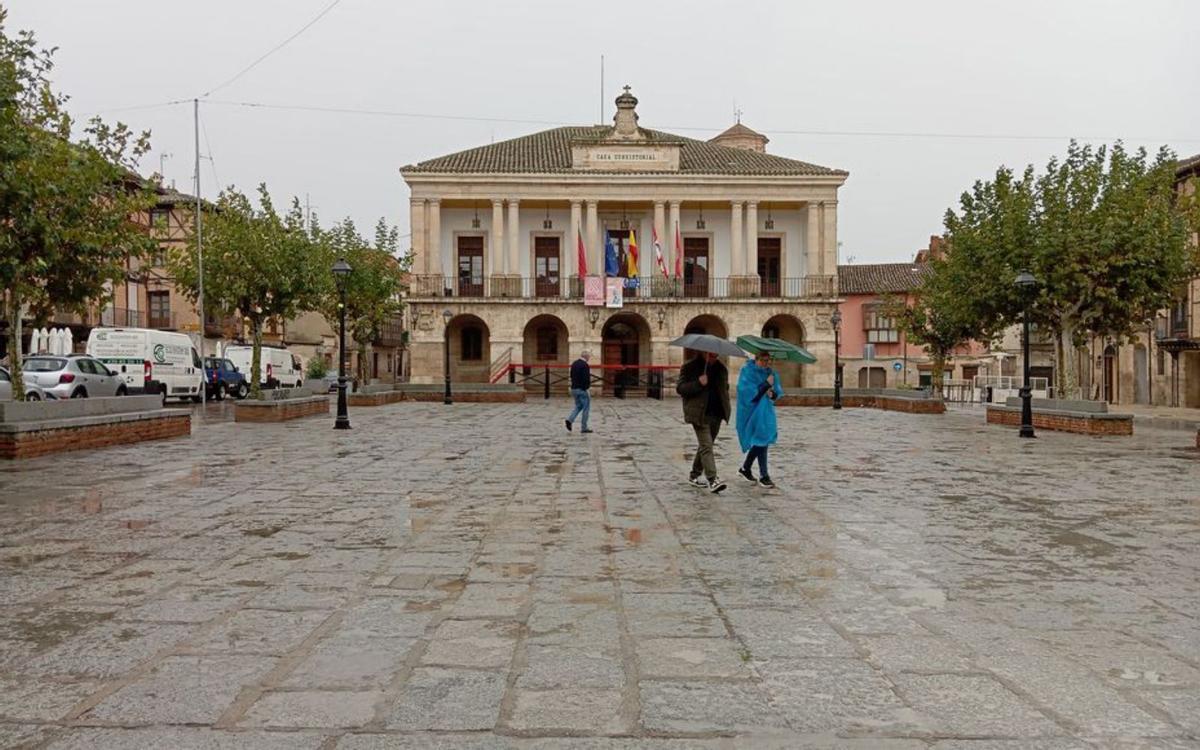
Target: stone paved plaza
(476, 577)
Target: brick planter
(374, 399)
(1065, 421)
(910, 402)
(38, 429)
(280, 410)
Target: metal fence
(650, 288)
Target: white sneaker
(699, 481)
(716, 486)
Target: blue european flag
(612, 258)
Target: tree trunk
(256, 357)
(364, 371)
(1068, 363)
(13, 313)
(939, 371)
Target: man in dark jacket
(581, 381)
(704, 386)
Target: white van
(280, 368)
(150, 361)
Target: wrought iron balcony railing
(646, 288)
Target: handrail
(495, 372)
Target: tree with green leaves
(68, 209)
(258, 263)
(938, 317)
(372, 287)
(1101, 231)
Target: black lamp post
(341, 269)
(836, 320)
(1025, 285)
(446, 316)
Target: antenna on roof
(601, 89)
(737, 113)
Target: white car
(150, 361)
(32, 392)
(72, 376)
(279, 367)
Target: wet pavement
(476, 577)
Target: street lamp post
(1025, 285)
(341, 269)
(836, 320)
(446, 316)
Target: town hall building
(518, 246)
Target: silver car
(32, 392)
(72, 376)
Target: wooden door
(769, 264)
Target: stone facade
(505, 238)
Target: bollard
(546, 391)
(512, 375)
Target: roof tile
(881, 278)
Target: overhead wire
(272, 51)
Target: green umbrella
(777, 348)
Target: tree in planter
(257, 262)
(1100, 230)
(372, 287)
(67, 210)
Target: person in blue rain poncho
(757, 389)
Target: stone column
(829, 237)
(434, 243)
(669, 241)
(752, 245)
(595, 253)
(571, 251)
(812, 241)
(737, 259)
(514, 239)
(496, 261)
(417, 226)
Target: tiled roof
(549, 151)
(880, 278)
(737, 130)
(1190, 164)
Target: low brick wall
(479, 393)
(1083, 423)
(281, 410)
(916, 403)
(374, 399)
(32, 439)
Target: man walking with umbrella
(704, 387)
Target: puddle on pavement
(290, 555)
(457, 584)
(136, 525)
(1086, 545)
(58, 626)
(263, 531)
(92, 503)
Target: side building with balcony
(507, 236)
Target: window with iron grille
(880, 328)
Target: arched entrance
(470, 349)
(625, 340)
(787, 328)
(545, 342)
(1110, 374)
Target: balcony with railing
(649, 288)
(391, 333)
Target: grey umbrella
(703, 342)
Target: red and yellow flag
(631, 270)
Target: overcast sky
(1041, 70)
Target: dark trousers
(757, 452)
(706, 435)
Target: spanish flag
(632, 265)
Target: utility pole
(199, 253)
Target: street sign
(897, 366)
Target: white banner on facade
(615, 296)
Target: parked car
(279, 367)
(222, 378)
(32, 392)
(150, 361)
(73, 376)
